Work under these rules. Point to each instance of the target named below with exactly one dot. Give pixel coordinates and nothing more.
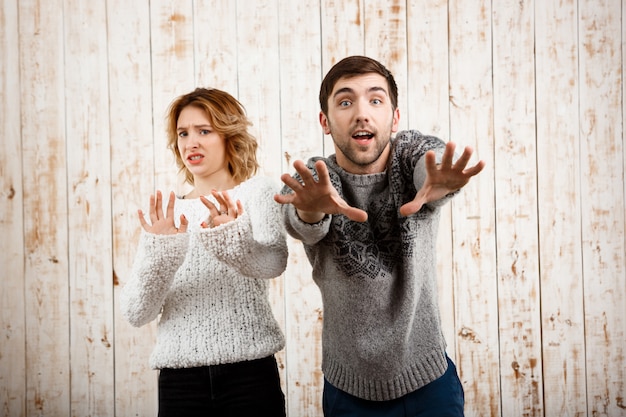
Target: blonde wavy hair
(227, 117)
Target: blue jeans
(443, 397)
(250, 388)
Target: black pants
(250, 388)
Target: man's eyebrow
(348, 90)
(345, 90)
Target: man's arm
(313, 199)
(443, 178)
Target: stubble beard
(361, 157)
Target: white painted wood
(342, 34)
(12, 312)
(386, 41)
(559, 202)
(215, 25)
(516, 208)
(172, 49)
(258, 75)
(602, 204)
(89, 250)
(473, 212)
(132, 173)
(301, 138)
(46, 263)
(85, 88)
(427, 97)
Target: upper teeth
(195, 157)
(361, 134)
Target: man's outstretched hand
(444, 178)
(313, 199)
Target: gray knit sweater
(209, 287)
(382, 334)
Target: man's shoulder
(414, 141)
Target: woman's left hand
(228, 209)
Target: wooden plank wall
(531, 254)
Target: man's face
(361, 120)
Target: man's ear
(396, 120)
(324, 123)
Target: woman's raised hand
(162, 223)
(228, 209)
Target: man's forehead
(371, 82)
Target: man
(367, 217)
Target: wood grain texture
(12, 312)
(473, 212)
(516, 202)
(427, 98)
(46, 242)
(132, 173)
(531, 254)
(90, 284)
(559, 216)
(603, 251)
(301, 138)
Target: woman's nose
(192, 141)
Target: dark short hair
(351, 67)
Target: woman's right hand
(162, 224)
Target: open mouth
(363, 136)
(195, 158)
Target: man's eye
(344, 103)
(376, 101)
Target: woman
(203, 264)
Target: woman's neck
(204, 186)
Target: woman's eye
(205, 131)
(182, 134)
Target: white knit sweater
(209, 285)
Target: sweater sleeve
(254, 244)
(308, 233)
(419, 173)
(156, 262)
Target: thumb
(183, 224)
(354, 214)
(411, 207)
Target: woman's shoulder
(260, 183)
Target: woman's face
(202, 150)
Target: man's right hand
(314, 199)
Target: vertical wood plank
(172, 57)
(89, 209)
(558, 174)
(602, 204)
(45, 204)
(132, 167)
(12, 313)
(342, 30)
(426, 110)
(215, 45)
(258, 78)
(473, 213)
(386, 41)
(516, 203)
(301, 138)
(342, 34)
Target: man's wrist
(310, 217)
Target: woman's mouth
(195, 158)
